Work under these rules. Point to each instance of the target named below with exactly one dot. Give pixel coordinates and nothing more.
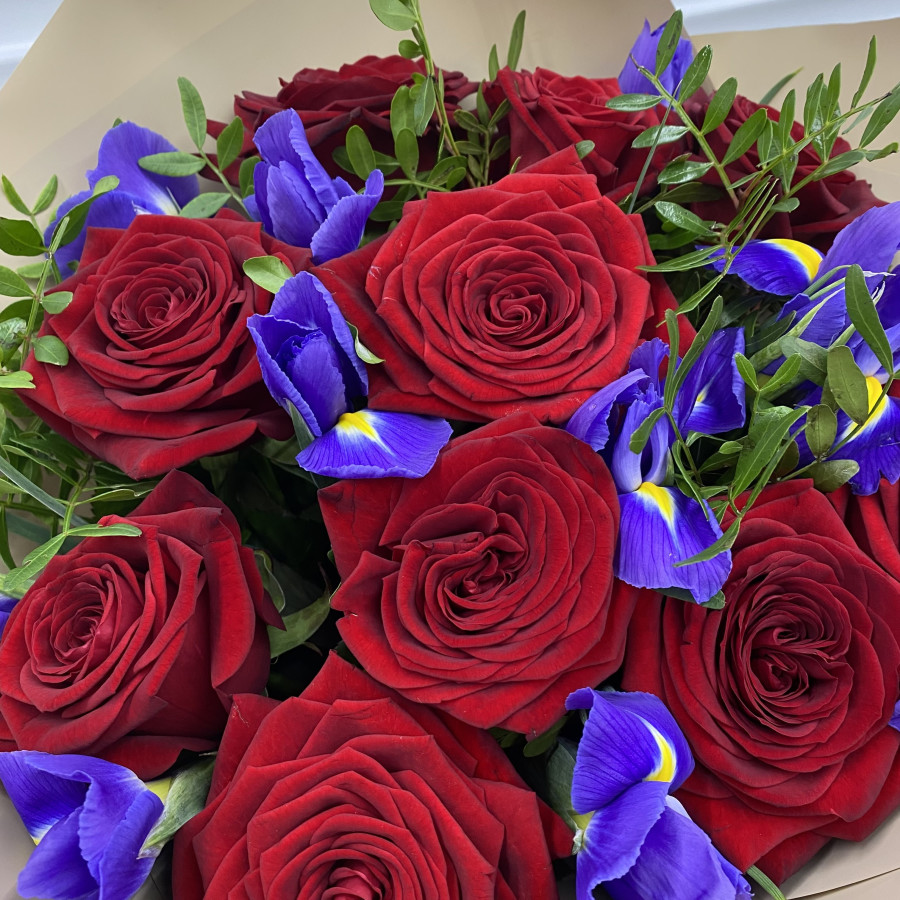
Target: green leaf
(888, 150)
(515, 41)
(679, 264)
(765, 883)
(829, 474)
(229, 143)
(633, 102)
(545, 741)
(786, 120)
(719, 106)
(270, 582)
(393, 14)
(50, 349)
(789, 204)
(245, 175)
(681, 170)
(838, 163)
(46, 196)
(788, 460)
(406, 148)
(493, 63)
(175, 162)
(812, 119)
(582, 148)
(747, 372)
(301, 430)
(18, 238)
(745, 137)
(12, 331)
(409, 49)
(57, 301)
(717, 601)
(19, 580)
(114, 529)
(767, 431)
(560, 771)
(668, 42)
(32, 270)
(871, 56)
(848, 384)
(360, 152)
(723, 543)
(882, 117)
(659, 134)
(17, 380)
(299, 626)
(821, 429)
(423, 108)
(193, 111)
(814, 357)
(269, 272)
(186, 796)
(204, 205)
(783, 378)
(681, 217)
(363, 352)
(696, 73)
(773, 91)
(402, 111)
(864, 316)
(12, 285)
(642, 434)
(675, 379)
(15, 201)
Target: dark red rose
(550, 112)
(162, 369)
(874, 521)
(826, 206)
(485, 587)
(524, 295)
(784, 695)
(329, 102)
(130, 648)
(350, 791)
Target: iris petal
(56, 868)
(648, 357)
(376, 444)
(778, 266)
(677, 859)
(676, 527)
(644, 52)
(630, 469)
(342, 231)
(590, 422)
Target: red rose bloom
(524, 295)
(351, 791)
(551, 112)
(329, 102)
(784, 695)
(874, 521)
(485, 587)
(162, 369)
(826, 206)
(130, 648)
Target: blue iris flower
(138, 191)
(6, 607)
(309, 361)
(635, 839)
(659, 524)
(298, 202)
(644, 52)
(89, 819)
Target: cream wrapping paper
(102, 59)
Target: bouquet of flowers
(472, 489)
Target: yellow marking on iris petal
(665, 771)
(661, 497)
(808, 257)
(356, 421)
(701, 397)
(160, 787)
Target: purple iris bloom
(644, 52)
(6, 607)
(660, 525)
(298, 202)
(89, 818)
(308, 359)
(138, 191)
(895, 718)
(636, 840)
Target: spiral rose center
(355, 881)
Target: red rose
(130, 648)
(826, 206)
(785, 695)
(524, 295)
(330, 102)
(162, 369)
(551, 112)
(874, 521)
(485, 587)
(350, 791)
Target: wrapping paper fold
(120, 58)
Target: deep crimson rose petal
(130, 648)
(785, 694)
